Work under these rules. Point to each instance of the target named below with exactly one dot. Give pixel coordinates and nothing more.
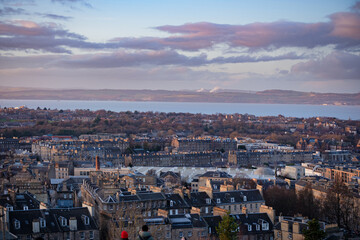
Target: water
(289, 110)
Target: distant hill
(223, 96)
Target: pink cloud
(346, 25)
(342, 30)
(337, 65)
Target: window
(65, 196)
(86, 220)
(28, 237)
(171, 212)
(232, 199)
(42, 223)
(218, 200)
(91, 234)
(257, 227)
(206, 210)
(290, 236)
(181, 234)
(63, 221)
(171, 203)
(265, 226)
(189, 233)
(17, 224)
(208, 201)
(249, 228)
(82, 235)
(245, 198)
(176, 211)
(70, 196)
(168, 235)
(67, 236)
(26, 208)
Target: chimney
(296, 227)
(244, 211)
(73, 224)
(260, 188)
(97, 163)
(284, 225)
(36, 226)
(269, 211)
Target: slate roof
(187, 221)
(212, 222)
(252, 195)
(198, 199)
(218, 174)
(177, 201)
(21, 200)
(253, 219)
(171, 173)
(151, 196)
(52, 219)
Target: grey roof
(52, 218)
(252, 195)
(253, 219)
(216, 174)
(177, 201)
(151, 196)
(198, 199)
(187, 221)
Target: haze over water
(289, 110)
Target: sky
(202, 45)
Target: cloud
(356, 6)
(49, 37)
(337, 65)
(55, 16)
(342, 30)
(18, 3)
(71, 2)
(11, 11)
(123, 58)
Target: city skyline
(302, 45)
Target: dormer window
(86, 219)
(245, 198)
(265, 226)
(171, 203)
(42, 223)
(208, 201)
(232, 199)
(63, 221)
(26, 208)
(249, 228)
(218, 200)
(17, 224)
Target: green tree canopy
(228, 228)
(314, 232)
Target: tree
(339, 206)
(228, 228)
(307, 205)
(281, 199)
(314, 232)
